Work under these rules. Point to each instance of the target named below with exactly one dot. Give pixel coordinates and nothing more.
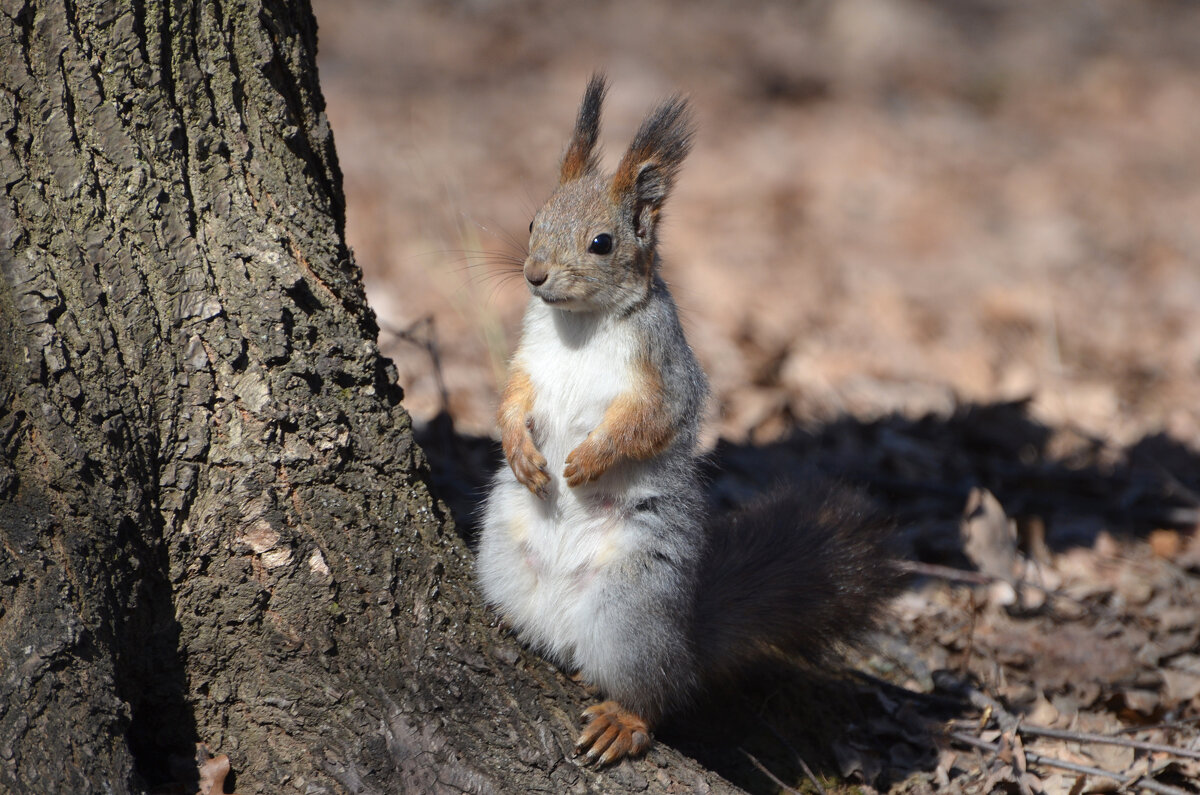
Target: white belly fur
(541, 562)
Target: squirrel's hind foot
(611, 733)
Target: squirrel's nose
(536, 272)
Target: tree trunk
(215, 525)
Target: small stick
(1087, 737)
(1008, 722)
(1049, 761)
(978, 699)
(1174, 484)
(768, 773)
(951, 574)
(812, 779)
(965, 667)
(943, 572)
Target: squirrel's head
(592, 245)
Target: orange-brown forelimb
(637, 425)
(516, 433)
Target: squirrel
(594, 544)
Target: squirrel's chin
(568, 303)
(600, 301)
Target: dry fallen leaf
(1115, 758)
(1166, 543)
(1181, 686)
(1043, 712)
(989, 538)
(1140, 703)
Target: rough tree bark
(214, 524)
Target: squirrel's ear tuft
(647, 171)
(581, 157)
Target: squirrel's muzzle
(536, 271)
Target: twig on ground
(812, 779)
(1008, 722)
(951, 574)
(763, 768)
(1049, 761)
(1175, 486)
(969, 651)
(948, 573)
(1104, 739)
(978, 699)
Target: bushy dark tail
(801, 571)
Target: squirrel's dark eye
(531, 227)
(601, 244)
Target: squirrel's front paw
(529, 465)
(588, 461)
(611, 732)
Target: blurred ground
(933, 246)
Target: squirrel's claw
(611, 733)
(587, 462)
(529, 466)
(526, 461)
(534, 478)
(572, 475)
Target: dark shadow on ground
(921, 470)
(791, 723)
(1062, 487)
